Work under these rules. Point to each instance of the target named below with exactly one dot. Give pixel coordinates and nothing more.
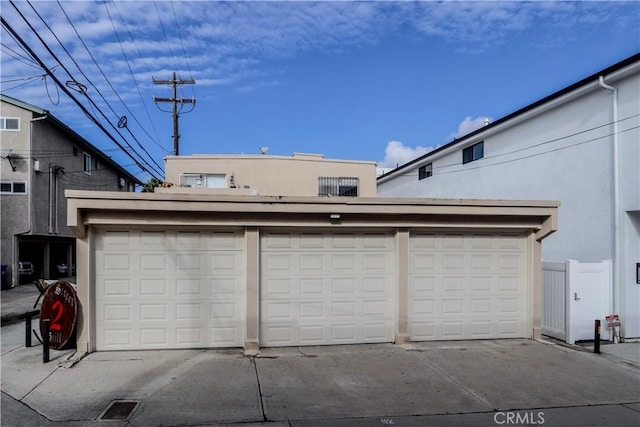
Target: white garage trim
(322, 287)
(158, 289)
(468, 286)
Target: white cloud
(468, 125)
(227, 40)
(397, 154)
(242, 44)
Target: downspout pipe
(31, 184)
(31, 194)
(52, 197)
(616, 199)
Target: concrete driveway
(443, 383)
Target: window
(337, 186)
(197, 180)
(13, 187)
(9, 123)
(121, 182)
(425, 171)
(474, 152)
(86, 167)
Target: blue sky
(377, 81)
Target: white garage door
(169, 289)
(326, 288)
(467, 287)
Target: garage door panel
(189, 336)
(312, 335)
(152, 239)
(473, 286)
(154, 313)
(176, 289)
(153, 262)
(312, 287)
(114, 338)
(375, 331)
(153, 337)
(225, 336)
(326, 288)
(111, 239)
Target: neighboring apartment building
(580, 146)
(298, 175)
(41, 158)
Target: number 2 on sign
(55, 326)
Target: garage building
(176, 270)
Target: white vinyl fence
(574, 295)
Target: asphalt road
(468, 383)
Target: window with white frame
(13, 187)
(338, 186)
(425, 171)
(10, 123)
(473, 152)
(86, 166)
(201, 180)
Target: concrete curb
(11, 318)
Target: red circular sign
(60, 306)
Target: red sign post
(613, 320)
(60, 307)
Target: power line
(16, 55)
(144, 105)
(82, 89)
(76, 86)
(413, 173)
(548, 141)
(184, 51)
(107, 79)
(538, 154)
(175, 64)
(23, 44)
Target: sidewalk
(17, 302)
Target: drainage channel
(119, 410)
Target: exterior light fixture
(334, 216)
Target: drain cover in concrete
(119, 410)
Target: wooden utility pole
(175, 101)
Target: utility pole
(175, 101)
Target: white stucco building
(581, 146)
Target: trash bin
(5, 285)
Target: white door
(467, 287)
(326, 288)
(589, 296)
(162, 289)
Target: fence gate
(574, 294)
(554, 300)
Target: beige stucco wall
(16, 208)
(267, 175)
